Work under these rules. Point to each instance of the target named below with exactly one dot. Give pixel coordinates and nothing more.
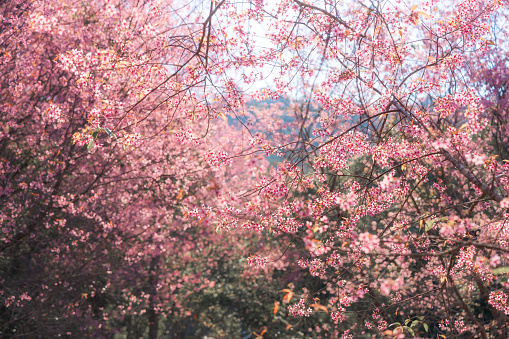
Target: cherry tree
(394, 179)
(111, 162)
(133, 164)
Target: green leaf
(414, 323)
(90, 145)
(421, 318)
(410, 330)
(429, 225)
(407, 321)
(501, 270)
(95, 133)
(426, 328)
(397, 324)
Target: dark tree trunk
(153, 320)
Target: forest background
(251, 169)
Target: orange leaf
(260, 336)
(422, 13)
(179, 196)
(223, 116)
(319, 307)
(276, 306)
(288, 296)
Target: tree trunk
(153, 320)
